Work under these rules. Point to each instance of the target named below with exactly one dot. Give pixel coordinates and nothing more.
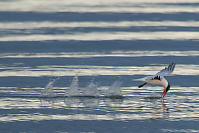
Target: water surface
(68, 66)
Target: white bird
(158, 79)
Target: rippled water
(68, 66)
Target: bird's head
(166, 90)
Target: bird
(159, 79)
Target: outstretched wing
(167, 71)
(164, 72)
(145, 79)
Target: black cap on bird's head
(168, 88)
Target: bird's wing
(167, 71)
(145, 79)
(164, 72)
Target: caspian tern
(158, 79)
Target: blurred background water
(67, 66)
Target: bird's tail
(142, 85)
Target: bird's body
(158, 79)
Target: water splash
(114, 90)
(48, 90)
(91, 90)
(75, 90)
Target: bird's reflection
(157, 109)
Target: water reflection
(48, 102)
(160, 110)
(131, 107)
(116, 108)
(81, 102)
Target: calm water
(68, 66)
